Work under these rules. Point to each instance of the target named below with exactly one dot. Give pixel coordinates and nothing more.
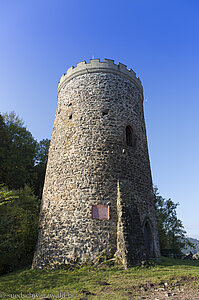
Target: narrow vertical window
(130, 137)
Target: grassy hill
(169, 277)
(196, 244)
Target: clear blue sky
(158, 39)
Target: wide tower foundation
(98, 195)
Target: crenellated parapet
(96, 66)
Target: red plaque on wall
(100, 212)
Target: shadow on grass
(36, 279)
(165, 261)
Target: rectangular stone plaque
(100, 212)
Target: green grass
(102, 282)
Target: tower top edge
(96, 66)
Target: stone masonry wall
(89, 164)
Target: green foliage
(40, 167)
(22, 170)
(18, 228)
(42, 151)
(6, 195)
(22, 159)
(4, 142)
(17, 153)
(170, 228)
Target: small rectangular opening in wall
(100, 212)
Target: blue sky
(159, 40)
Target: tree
(22, 159)
(18, 228)
(17, 153)
(4, 142)
(6, 196)
(40, 167)
(171, 230)
(22, 170)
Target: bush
(18, 227)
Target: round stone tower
(98, 195)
